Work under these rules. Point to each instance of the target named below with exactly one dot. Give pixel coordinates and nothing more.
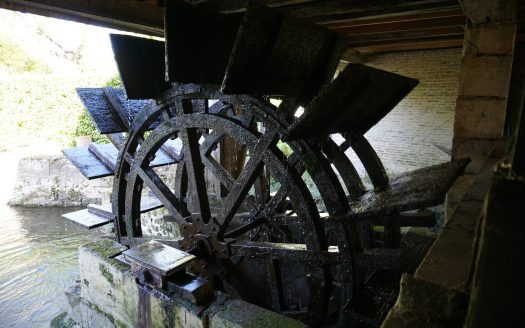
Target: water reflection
(38, 260)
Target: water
(38, 261)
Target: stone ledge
(109, 295)
(424, 304)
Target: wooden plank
(100, 110)
(87, 219)
(101, 210)
(412, 190)
(380, 258)
(350, 103)
(332, 11)
(369, 21)
(360, 28)
(111, 114)
(159, 257)
(87, 163)
(141, 65)
(417, 219)
(198, 54)
(106, 153)
(99, 160)
(407, 45)
(173, 148)
(147, 203)
(356, 40)
(162, 158)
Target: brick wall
(407, 137)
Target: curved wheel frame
(200, 227)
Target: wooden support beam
(326, 12)
(426, 24)
(409, 45)
(382, 38)
(134, 16)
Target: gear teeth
(140, 63)
(354, 102)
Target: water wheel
(286, 227)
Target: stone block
(106, 283)
(424, 304)
(240, 314)
(487, 76)
(110, 296)
(456, 193)
(493, 39)
(477, 149)
(480, 117)
(498, 275)
(86, 314)
(414, 246)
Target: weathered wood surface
(351, 103)
(106, 118)
(100, 160)
(147, 203)
(159, 257)
(140, 63)
(87, 219)
(412, 190)
(87, 163)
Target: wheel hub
(202, 239)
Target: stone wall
(415, 132)
(53, 181)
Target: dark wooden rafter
(367, 25)
(134, 16)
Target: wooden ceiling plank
(322, 12)
(234, 6)
(330, 7)
(405, 35)
(410, 46)
(457, 21)
(397, 19)
(340, 18)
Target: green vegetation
(39, 107)
(14, 60)
(62, 321)
(44, 108)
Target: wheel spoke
(243, 184)
(290, 252)
(273, 204)
(276, 284)
(194, 166)
(176, 208)
(245, 228)
(215, 167)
